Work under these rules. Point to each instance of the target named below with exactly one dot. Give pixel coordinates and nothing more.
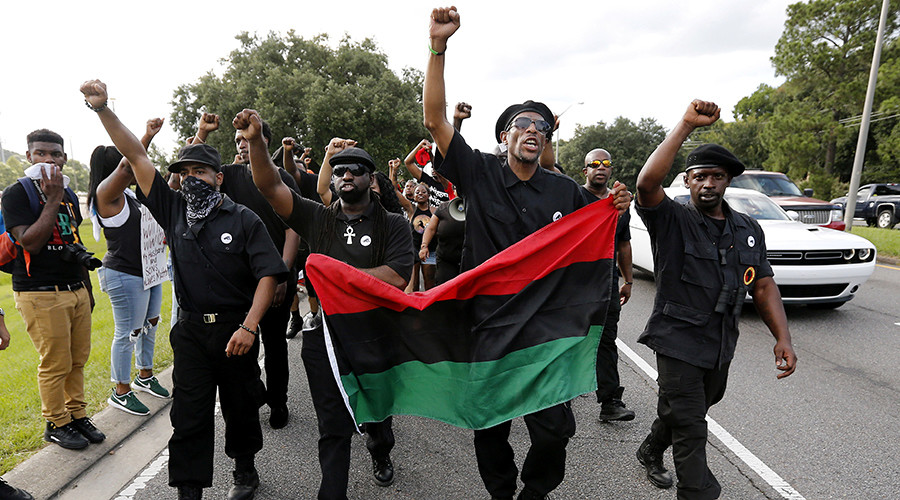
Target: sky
(643, 58)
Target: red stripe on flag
(586, 235)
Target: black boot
(614, 409)
(190, 493)
(8, 492)
(383, 470)
(650, 456)
(245, 484)
(529, 494)
(295, 326)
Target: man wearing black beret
(506, 200)
(707, 258)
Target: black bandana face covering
(201, 198)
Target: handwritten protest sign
(153, 250)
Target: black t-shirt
(123, 243)
(308, 185)
(219, 261)
(450, 234)
(418, 223)
(500, 208)
(47, 266)
(238, 185)
(436, 192)
(353, 240)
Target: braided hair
(379, 230)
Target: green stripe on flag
(483, 394)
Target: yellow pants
(59, 324)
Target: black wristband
(96, 110)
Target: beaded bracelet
(254, 332)
(96, 110)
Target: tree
(629, 144)
(312, 92)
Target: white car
(813, 265)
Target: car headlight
(848, 254)
(837, 215)
(865, 254)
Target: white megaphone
(457, 209)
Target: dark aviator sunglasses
(355, 169)
(523, 122)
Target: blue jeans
(133, 308)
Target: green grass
(887, 241)
(20, 404)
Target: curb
(52, 470)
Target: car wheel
(827, 305)
(886, 219)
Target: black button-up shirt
(238, 185)
(219, 261)
(690, 272)
(501, 209)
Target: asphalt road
(829, 431)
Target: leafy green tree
(629, 144)
(310, 91)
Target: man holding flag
(506, 202)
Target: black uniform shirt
(689, 280)
(238, 185)
(219, 261)
(353, 240)
(500, 208)
(623, 233)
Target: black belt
(208, 318)
(55, 288)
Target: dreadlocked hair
(379, 230)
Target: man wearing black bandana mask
(357, 230)
(225, 268)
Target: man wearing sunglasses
(597, 171)
(356, 230)
(506, 200)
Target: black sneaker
(614, 409)
(88, 430)
(383, 470)
(65, 436)
(8, 492)
(651, 458)
(278, 416)
(245, 484)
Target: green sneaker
(129, 403)
(150, 386)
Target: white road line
(752, 461)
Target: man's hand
(423, 144)
(462, 111)
(208, 122)
(95, 93)
(154, 125)
(240, 343)
(785, 358)
(624, 293)
(444, 23)
(621, 197)
(701, 113)
(4, 338)
(249, 123)
(337, 145)
(394, 164)
(52, 185)
(288, 143)
(280, 291)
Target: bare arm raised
(649, 182)
(444, 22)
(131, 148)
(335, 146)
(110, 197)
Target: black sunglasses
(599, 163)
(523, 122)
(355, 169)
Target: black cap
(353, 155)
(197, 153)
(516, 109)
(713, 155)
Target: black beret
(197, 153)
(516, 109)
(353, 155)
(713, 155)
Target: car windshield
(755, 206)
(768, 185)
